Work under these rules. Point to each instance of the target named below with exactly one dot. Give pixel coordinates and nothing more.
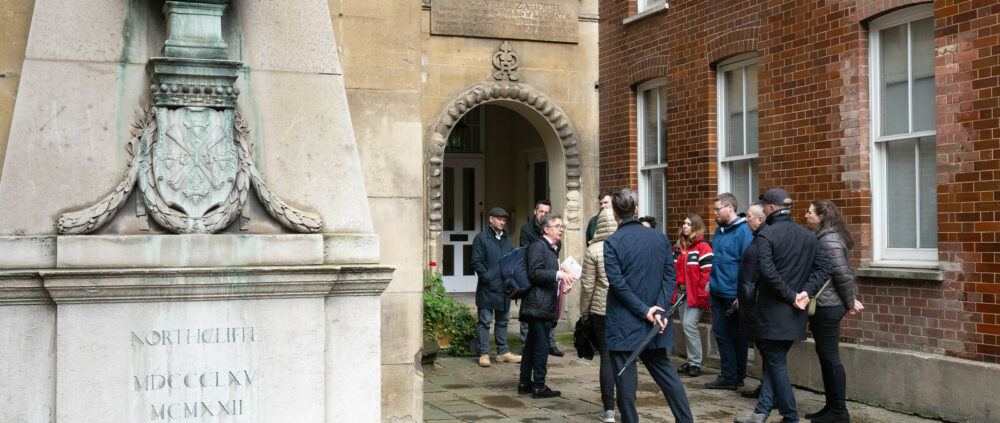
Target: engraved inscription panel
(543, 20)
(194, 389)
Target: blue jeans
(732, 345)
(499, 331)
(775, 386)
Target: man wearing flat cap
(789, 264)
(487, 248)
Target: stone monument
(182, 285)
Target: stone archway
(494, 92)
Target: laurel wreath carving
(144, 135)
(95, 216)
(289, 217)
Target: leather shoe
(721, 383)
(523, 389)
(555, 351)
(751, 394)
(695, 371)
(544, 392)
(509, 357)
(684, 368)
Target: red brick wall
(813, 132)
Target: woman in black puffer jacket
(833, 303)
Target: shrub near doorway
(449, 323)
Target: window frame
(882, 254)
(644, 5)
(645, 208)
(741, 61)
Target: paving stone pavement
(456, 389)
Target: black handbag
(583, 334)
(583, 337)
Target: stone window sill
(912, 273)
(651, 10)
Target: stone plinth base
(257, 344)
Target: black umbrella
(652, 333)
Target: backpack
(514, 272)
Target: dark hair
(603, 194)
(623, 201)
(697, 230)
(830, 217)
(543, 202)
(548, 219)
(648, 219)
(727, 199)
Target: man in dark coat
(746, 295)
(487, 248)
(540, 307)
(641, 279)
(790, 262)
(531, 232)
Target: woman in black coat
(540, 307)
(832, 304)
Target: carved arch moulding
(503, 84)
(487, 92)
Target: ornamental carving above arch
(487, 92)
(503, 84)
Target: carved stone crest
(193, 164)
(505, 64)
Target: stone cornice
(22, 287)
(66, 286)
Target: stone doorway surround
(534, 105)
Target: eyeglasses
(557, 226)
(716, 209)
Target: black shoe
(820, 413)
(555, 351)
(721, 383)
(544, 392)
(684, 368)
(523, 389)
(834, 416)
(751, 394)
(695, 371)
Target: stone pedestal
(237, 318)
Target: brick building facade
(844, 101)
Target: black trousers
(607, 370)
(535, 354)
(825, 325)
(665, 376)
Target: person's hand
(801, 300)
(736, 303)
(566, 277)
(655, 318)
(857, 307)
(567, 287)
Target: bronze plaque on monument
(543, 20)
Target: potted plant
(448, 323)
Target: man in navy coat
(487, 248)
(641, 278)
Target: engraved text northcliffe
(194, 336)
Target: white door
(463, 219)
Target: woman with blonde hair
(834, 301)
(693, 261)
